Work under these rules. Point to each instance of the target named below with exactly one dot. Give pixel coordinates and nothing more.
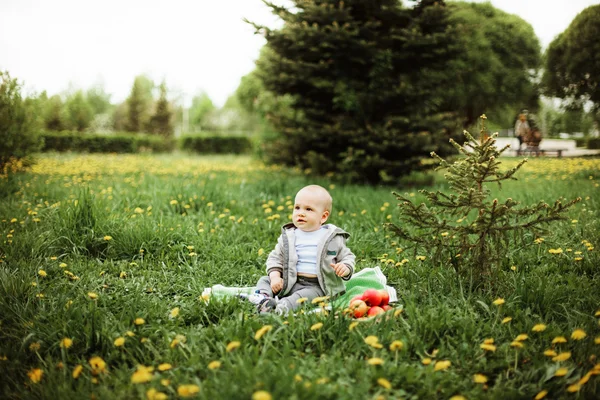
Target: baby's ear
(324, 216)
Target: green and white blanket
(367, 278)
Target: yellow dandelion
(120, 341)
(562, 356)
(35, 346)
(384, 383)
(516, 344)
(550, 353)
(539, 328)
(262, 331)
(559, 339)
(561, 372)
(164, 367)
(396, 345)
(142, 375)
(398, 312)
(480, 378)
(320, 299)
(353, 325)
(107, 238)
(499, 301)
(214, 365)
(521, 337)
(35, 375)
(261, 251)
(375, 361)
(574, 388)
(139, 321)
(488, 347)
(42, 273)
(458, 397)
(316, 326)
(233, 345)
(597, 313)
(129, 333)
(98, 365)
(373, 341)
(441, 365)
(77, 371)
(301, 300)
(426, 361)
(153, 394)
(555, 251)
(66, 343)
(188, 390)
(597, 340)
(165, 382)
(421, 258)
(488, 341)
(62, 265)
(578, 334)
(541, 395)
(262, 395)
(506, 320)
(92, 295)
(585, 378)
(174, 312)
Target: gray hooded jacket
(331, 249)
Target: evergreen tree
(465, 229)
(365, 79)
(54, 114)
(139, 104)
(162, 121)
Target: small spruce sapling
(464, 228)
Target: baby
(310, 259)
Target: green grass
(180, 224)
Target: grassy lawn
(104, 260)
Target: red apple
(358, 308)
(385, 297)
(375, 310)
(372, 297)
(357, 297)
(387, 307)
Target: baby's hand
(276, 284)
(340, 269)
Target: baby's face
(309, 211)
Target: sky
(193, 45)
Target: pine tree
(365, 79)
(465, 229)
(138, 104)
(162, 121)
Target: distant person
(310, 260)
(522, 130)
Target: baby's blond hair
(322, 193)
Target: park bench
(536, 150)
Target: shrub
(120, 143)
(18, 133)
(216, 144)
(593, 143)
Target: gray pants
(304, 287)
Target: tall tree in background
(200, 109)
(79, 113)
(98, 99)
(161, 122)
(139, 104)
(572, 64)
(497, 58)
(365, 81)
(54, 114)
(18, 133)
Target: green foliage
(54, 118)
(161, 122)
(18, 130)
(365, 86)
(78, 112)
(464, 229)
(98, 100)
(139, 104)
(114, 143)
(216, 144)
(593, 143)
(572, 68)
(199, 111)
(497, 56)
